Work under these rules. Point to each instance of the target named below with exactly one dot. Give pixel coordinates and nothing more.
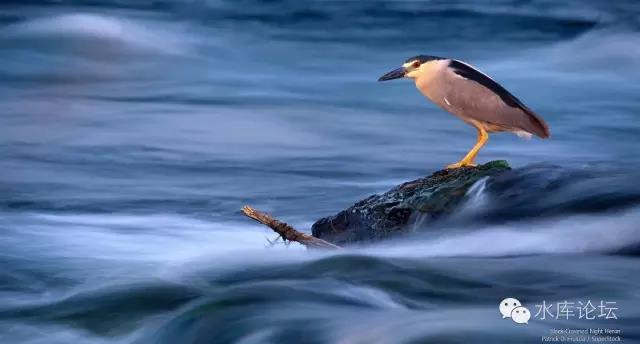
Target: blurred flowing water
(131, 133)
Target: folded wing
(487, 101)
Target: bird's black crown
(424, 58)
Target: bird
(469, 94)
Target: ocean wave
(528, 210)
(603, 50)
(135, 242)
(595, 54)
(95, 35)
(167, 279)
(610, 233)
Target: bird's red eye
(416, 64)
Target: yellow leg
(469, 159)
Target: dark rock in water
(384, 215)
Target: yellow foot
(461, 164)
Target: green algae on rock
(384, 215)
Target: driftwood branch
(287, 232)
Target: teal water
(131, 133)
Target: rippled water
(131, 133)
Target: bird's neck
(426, 86)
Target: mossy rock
(384, 215)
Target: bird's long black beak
(394, 74)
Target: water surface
(131, 133)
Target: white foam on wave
(175, 239)
(124, 248)
(95, 248)
(595, 54)
(476, 197)
(596, 47)
(570, 235)
(98, 251)
(134, 238)
(96, 30)
(135, 246)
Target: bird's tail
(537, 125)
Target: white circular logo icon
(512, 308)
(521, 315)
(507, 305)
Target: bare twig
(287, 232)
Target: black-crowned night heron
(473, 97)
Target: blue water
(131, 133)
